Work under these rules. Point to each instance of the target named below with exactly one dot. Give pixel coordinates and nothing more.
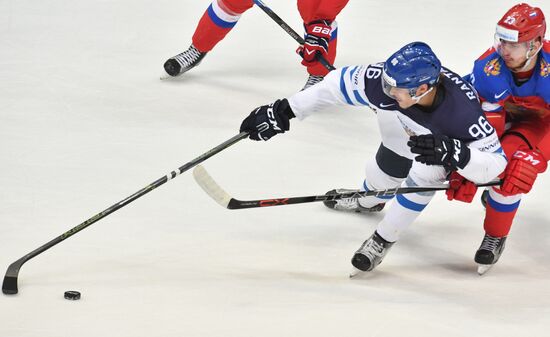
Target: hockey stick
(290, 31)
(9, 286)
(223, 198)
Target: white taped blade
(211, 188)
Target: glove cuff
(285, 108)
(321, 21)
(465, 158)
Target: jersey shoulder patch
(490, 78)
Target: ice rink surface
(85, 122)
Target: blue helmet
(411, 66)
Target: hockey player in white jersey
(430, 122)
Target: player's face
(513, 53)
(403, 97)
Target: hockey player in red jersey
(513, 82)
(222, 15)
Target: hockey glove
(316, 42)
(460, 188)
(268, 120)
(522, 171)
(440, 150)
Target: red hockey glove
(460, 188)
(522, 171)
(316, 42)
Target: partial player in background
(513, 82)
(222, 15)
(431, 124)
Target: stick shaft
(241, 204)
(10, 280)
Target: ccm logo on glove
(268, 120)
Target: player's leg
(386, 170)
(500, 210)
(312, 10)
(216, 22)
(317, 72)
(401, 214)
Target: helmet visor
(388, 84)
(516, 48)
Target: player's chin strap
(418, 98)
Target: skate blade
(483, 268)
(355, 272)
(164, 76)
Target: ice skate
(312, 80)
(350, 204)
(489, 252)
(177, 65)
(370, 254)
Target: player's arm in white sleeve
(487, 160)
(335, 89)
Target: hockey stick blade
(211, 188)
(9, 287)
(207, 183)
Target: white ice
(85, 122)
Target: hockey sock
(499, 213)
(369, 202)
(220, 17)
(500, 210)
(402, 212)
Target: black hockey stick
(9, 286)
(214, 190)
(290, 31)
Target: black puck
(72, 295)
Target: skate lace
(188, 57)
(372, 249)
(312, 80)
(490, 243)
(348, 203)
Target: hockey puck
(72, 295)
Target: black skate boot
(489, 252)
(350, 204)
(370, 254)
(312, 80)
(181, 63)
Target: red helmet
(521, 23)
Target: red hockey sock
(499, 213)
(220, 17)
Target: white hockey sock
(402, 212)
(369, 202)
